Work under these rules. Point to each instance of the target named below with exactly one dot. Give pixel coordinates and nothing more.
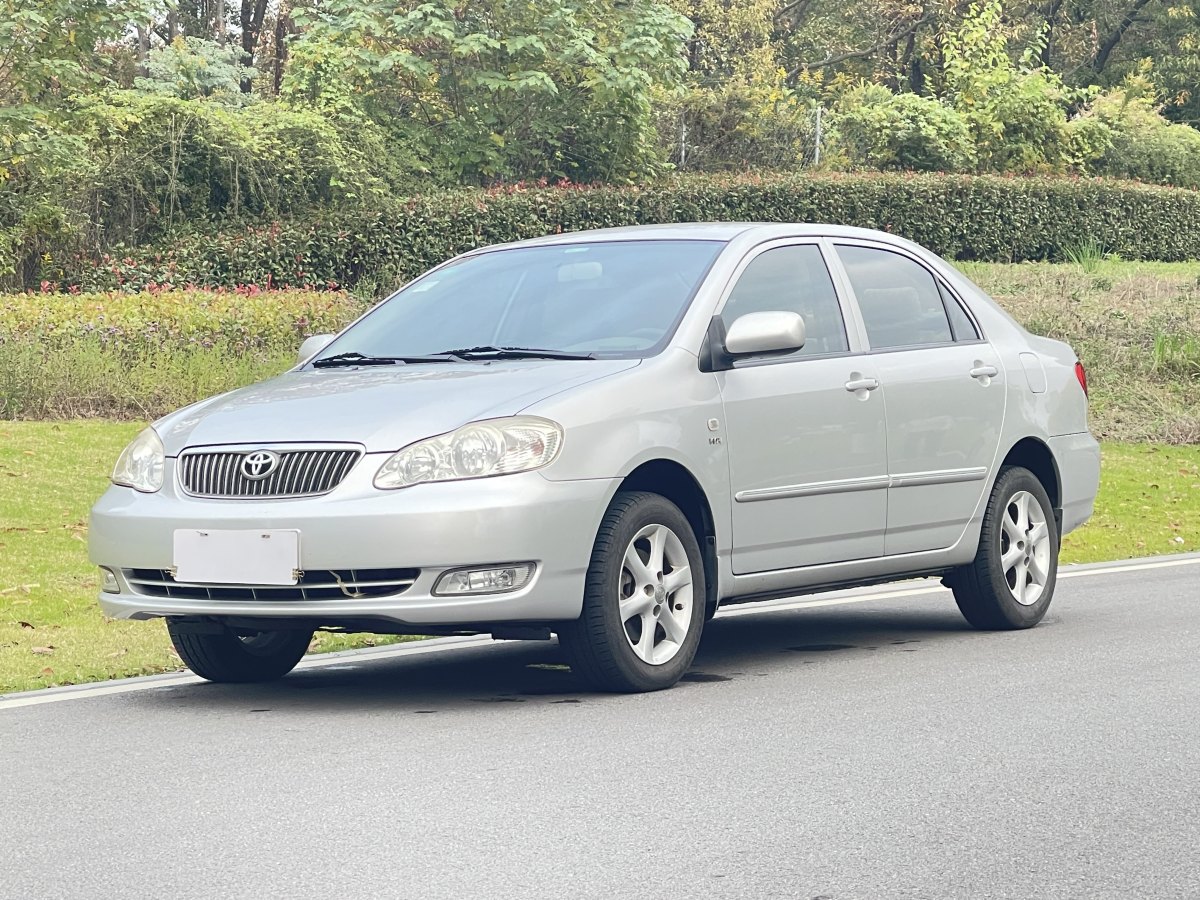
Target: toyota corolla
(605, 436)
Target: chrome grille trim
(317, 585)
(304, 470)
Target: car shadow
(466, 678)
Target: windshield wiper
(358, 359)
(490, 352)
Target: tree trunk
(143, 48)
(283, 29)
(1110, 43)
(253, 12)
(1051, 18)
(219, 22)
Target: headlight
(478, 450)
(140, 465)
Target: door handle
(984, 372)
(861, 384)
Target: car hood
(383, 408)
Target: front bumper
(433, 527)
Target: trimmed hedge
(959, 217)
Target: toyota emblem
(258, 465)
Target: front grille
(300, 472)
(318, 585)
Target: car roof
(703, 231)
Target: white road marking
(339, 659)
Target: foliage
(47, 55)
(501, 88)
(878, 129)
(1127, 137)
(743, 124)
(190, 68)
(165, 160)
(732, 40)
(964, 217)
(147, 163)
(1016, 111)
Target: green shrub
(878, 129)
(1123, 134)
(742, 125)
(960, 217)
(1016, 110)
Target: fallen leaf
(25, 625)
(47, 671)
(43, 651)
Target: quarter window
(899, 299)
(792, 279)
(960, 322)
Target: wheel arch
(676, 482)
(1033, 454)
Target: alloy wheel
(655, 594)
(1025, 548)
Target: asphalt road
(853, 748)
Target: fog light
(495, 580)
(108, 581)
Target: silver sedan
(605, 436)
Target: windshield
(604, 299)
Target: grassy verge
(1136, 326)
(51, 630)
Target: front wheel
(643, 605)
(1011, 581)
(230, 657)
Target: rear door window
(899, 298)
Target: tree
(499, 89)
(47, 57)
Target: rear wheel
(643, 605)
(230, 657)
(1011, 582)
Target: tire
(1011, 582)
(227, 658)
(652, 644)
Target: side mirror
(312, 346)
(765, 332)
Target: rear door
(943, 391)
(806, 446)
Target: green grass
(51, 630)
(1149, 503)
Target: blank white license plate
(255, 556)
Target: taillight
(1081, 374)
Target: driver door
(807, 446)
